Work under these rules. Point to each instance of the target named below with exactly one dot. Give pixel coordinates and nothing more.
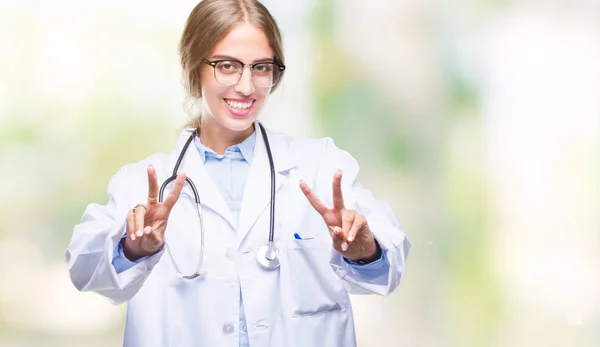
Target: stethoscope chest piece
(267, 257)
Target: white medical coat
(303, 303)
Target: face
(234, 108)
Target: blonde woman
(240, 236)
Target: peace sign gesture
(146, 223)
(349, 230)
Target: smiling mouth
(239, 105)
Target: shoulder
(157, 160)
(323, 150)
(314, 147)
(160, 161)
(319, 154)
(134, 171)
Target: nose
(245, 85)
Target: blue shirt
(229, 172)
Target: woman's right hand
(146, 223)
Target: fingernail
(132, 237)
(344, 246)
(337, 230)
(350, 238)
(148, 230)
(139, 233)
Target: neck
(218, 138)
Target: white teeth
(239, 105)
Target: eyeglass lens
(263, 74)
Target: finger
(359, 223)
(130, 225)
(336, 233)
(313, 198)
(139, 214)
(338, 199)
(176, 191)
(147, 230)
(336, 236)
(155, 238)
(331, 232)
(152, 184)
(348, 217)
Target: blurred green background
(478, 121)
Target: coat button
(230, 253)
(228, 328)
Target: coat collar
(246, 148)
(257, 191)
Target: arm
(94, 244)
(382, 277)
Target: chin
(237, 124)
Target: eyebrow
(270, 59)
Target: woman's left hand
(349, 230)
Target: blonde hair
(208, 23)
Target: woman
(215, 279)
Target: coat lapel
(194, 168)
(257, 192)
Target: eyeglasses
(229, 71)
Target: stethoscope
(266, 255)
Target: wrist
(370, 257)
(373, 254)
(132, 252)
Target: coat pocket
(315, 288)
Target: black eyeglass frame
(214, 63)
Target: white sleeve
(93, 244)
(382, 222)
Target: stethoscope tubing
(197, 200)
